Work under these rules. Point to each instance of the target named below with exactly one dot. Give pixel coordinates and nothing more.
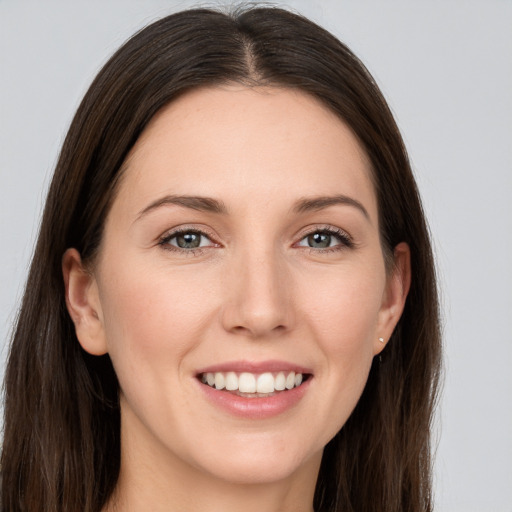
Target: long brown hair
(61, 447)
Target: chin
(259, 465)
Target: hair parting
(61, 448)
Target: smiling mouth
(252, 385)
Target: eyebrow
(208, 204)
(202, 204)
(319, 203)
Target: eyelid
(345, 239)
(163, 240)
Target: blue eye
(325, 239)
(187, 240)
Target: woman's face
(243, 245)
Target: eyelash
(164, 242)
(343, 237)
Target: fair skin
(279, 275)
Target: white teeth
(280, 382)
(247, 383)
(290, 380)
(264, 383)
(231, 381)
(219, 381)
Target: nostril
(258, 330)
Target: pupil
(188, 240)
(319, 240)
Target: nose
(258, 299)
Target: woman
(232, 300)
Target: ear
(83, 303)
(395, 294)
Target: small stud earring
(381, 340)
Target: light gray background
(446, 69)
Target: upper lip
(257, 367)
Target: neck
(152, 478)
(197, 494)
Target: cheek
(343, 306)
(344, 318)
(152, 320)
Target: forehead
(230, 139)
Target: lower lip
(256, 408)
